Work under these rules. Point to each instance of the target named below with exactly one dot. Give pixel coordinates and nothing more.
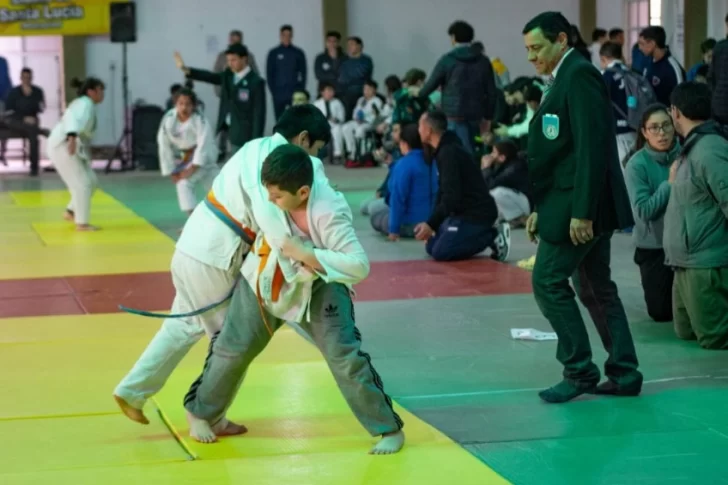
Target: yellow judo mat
(59, 424)
(36, 242)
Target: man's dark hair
(305, 117)
(287, 27)
(598, 34)
(615, 32)
(656, 34)
(707, 45)
(26, 70)
(551, 24)
(693, 100)
(411, 136)
(507, 148)
(611, 50)
(437, 120)
(462, 32)
(357, 40)
(532, 93)
(288, 167)
(238, 33)
(371, 83)
(333, 33)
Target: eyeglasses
(666, 127)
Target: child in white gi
(367, 110)
(335, 112)
(69, 150)
(207, 261)
(305, 258)
(187, 151)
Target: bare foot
(228, 428)
(132, 413)
(389, 444)
(68, 216)
(200, 429)
(86, 227)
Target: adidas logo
(331, 311)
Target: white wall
(187, 26)
(610, 14)
(717, 10)
(404, 34)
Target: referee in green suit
(579, 200)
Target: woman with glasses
(649, 175)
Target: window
(640, 14)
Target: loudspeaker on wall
(123, 22)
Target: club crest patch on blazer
(550, 126)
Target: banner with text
(54, 17)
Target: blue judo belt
(194, 313)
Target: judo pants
(79, 178)
(186, 187)
(197, 285)
(332, 329)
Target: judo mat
(60, 425)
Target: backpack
(639, 96)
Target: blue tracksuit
(664, 75)
(412, 191)
(286, 71)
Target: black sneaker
(502, 244)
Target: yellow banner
(54, 17)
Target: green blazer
(245, 101)
(573, 161)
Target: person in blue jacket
(5, 83)
(412, 188)
(706, 48)
(286, 71)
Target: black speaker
(122, 17)
(145, 121)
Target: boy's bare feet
(68, 216)
(200, 430)
(132, 413)
(228, 428)
(86, 227)
(389, 444)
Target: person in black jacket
(286, 70)
(242, 97)
(468, 86)
(506, 176)
(326, 66)
(462, 223)
(718, 80)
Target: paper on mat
(531, 334)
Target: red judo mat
(391, 280)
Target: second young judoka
(305, 259)
(207, 261)
(187, 151)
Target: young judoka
(69, 150)
(187, 151)
(207, 260)
(304, 260)
(335, 112)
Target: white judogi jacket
(79, 118)
(175, 137)
(205, 237)
(332, 235)
(337, 111)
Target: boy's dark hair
(532, 94)
(656, 34)
(462, 32)
(237, 33)
(82, 86)
(707, 45)
(507, 148)
(287, 27)
(303, 91)
(437, 120)
(371, 83)
(393, 83)
(175, 88)
(410, 134)
(288, 167)
(357, 40)
(611, 50)
(186, 92)
(615, 32)
(413, 76)
(551, 24)
(26, 70)
(333, 33)
(703, 71)
(598, 34)
(305, 117)
(325, 84)
(693, 100)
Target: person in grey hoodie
(647, 175)
(696, 221)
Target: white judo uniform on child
(205, 266)
(335, 112)
(188, 153)
(69, 150)
(277, 288)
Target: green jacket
(696, 220)
(244, 101)
(646, 175)
(573, 162)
